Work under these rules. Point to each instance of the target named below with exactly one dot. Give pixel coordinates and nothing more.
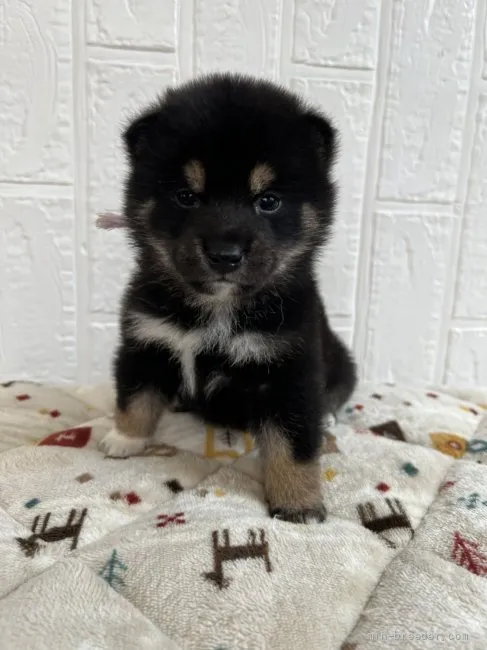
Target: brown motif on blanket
(390, 429)
(228, 553)
(395, 519)
(71, 530)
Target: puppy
(227, 202)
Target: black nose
(224, 256)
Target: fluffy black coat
(229, 200)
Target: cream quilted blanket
(174, 548)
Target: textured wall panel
(110, 263)
(222, 29)
(471, 299)
(35, 91)
(409, 268)
(485, 47)
(115, 93)
(345, 333)
(406, 111)
(467, 360)
(426, 98)
(135, 23)
(37, 313)
(333, 33)
(349, 104)
(102, 342)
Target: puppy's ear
(137, 135)
(326, 137)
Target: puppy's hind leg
(134, 424)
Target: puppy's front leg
(135, 422)
(292, 480)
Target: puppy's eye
(186, 198)
(268, 203)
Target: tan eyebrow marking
(195, 175)
(261, 177)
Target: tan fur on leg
(133, 426)
(293, 488)
(140, 418)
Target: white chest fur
(217, 336)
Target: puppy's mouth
(221, 286)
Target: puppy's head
(229, 186)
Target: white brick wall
(406, 81)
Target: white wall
(406, 80)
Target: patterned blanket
(174, 548)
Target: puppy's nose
(224, 256)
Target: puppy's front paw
(118, 445)
(316, 514)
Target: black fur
(230, 124)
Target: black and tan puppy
(227, 201)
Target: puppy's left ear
(138, 134)
(326, 137)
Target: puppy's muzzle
(223, 256)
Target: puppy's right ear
(327, 137)
(138, 134)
